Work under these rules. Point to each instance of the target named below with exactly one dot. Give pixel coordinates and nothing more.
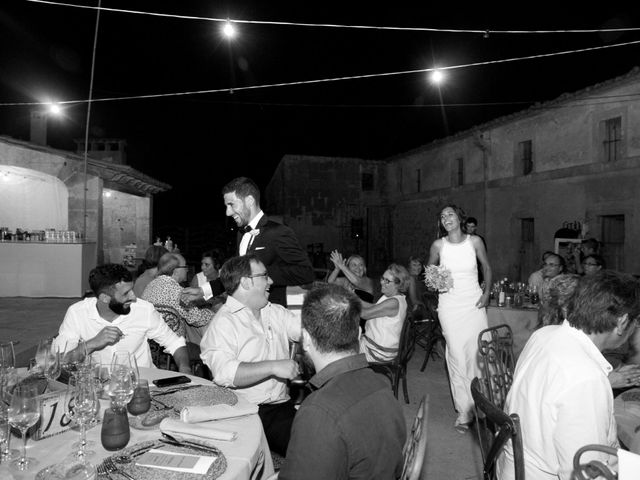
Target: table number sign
(53, 418)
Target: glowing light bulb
(55, 109)
(229, 30)
(436, 77)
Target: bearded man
(116, 320)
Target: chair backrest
(172, 318)
(495, 429)
(495, 346)
(415, 448)
(593, 468)
(406, 345)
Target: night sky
(197, 143)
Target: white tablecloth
(248, 457)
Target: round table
(248, 457)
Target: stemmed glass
(123, 359)
(8, 378)
(48, 358)
(80, 402)
(24, 412)
(75, 357)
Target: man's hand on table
(625, 376)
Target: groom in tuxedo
(275, 244)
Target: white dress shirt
(562, 394)
(247, 238)
(143, 322)
(235, 336)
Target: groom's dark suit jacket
(287, 263)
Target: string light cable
(326, 80)
(483, 32)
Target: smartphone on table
(168, 381)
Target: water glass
(141, 401)
(7, 355)
(75, 356)
(24, 413)
(115, 433)
(123, 359)
(121, 386)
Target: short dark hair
(591, 243)
(243, 187)
(331, 315)
(103, 278)
(234, 269)
(560, 258)
(462, 217)
(213, 255)
(602, 298)
(471, 220)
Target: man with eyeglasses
(552, 266)
(247, 346)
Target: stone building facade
(575, 159)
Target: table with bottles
(514, 304)
(247, 457)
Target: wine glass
(80, 403)
(123, 359)
(24, 412)
(48, 358)
(75, 356)
(121, 386)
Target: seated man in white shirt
(560, 388)
(247, 346)
(115, 320)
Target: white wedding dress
(461, 322)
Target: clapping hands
(336, 258)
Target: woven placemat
(125, 462)
(201, 396)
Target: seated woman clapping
(355, 275)
(381, 338)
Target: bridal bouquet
(438, 278)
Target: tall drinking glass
(24, 412)
(48, 358)
(123, 359)
(80, 402)
(7, 355)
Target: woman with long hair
(461, 309)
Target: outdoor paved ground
(450, 456)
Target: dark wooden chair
(495, 346)
(495, 429)
(396, 369)
(427, 330)
(415, 449)
(593, 468)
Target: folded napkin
(199, 433)
(217, 412)
(628, 465)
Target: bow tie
(246, 229)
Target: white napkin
(628, 465)
(217, 412)
(199, 433)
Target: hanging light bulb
(54, 108)
(228, 30)
(436, 77)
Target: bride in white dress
(462, 309)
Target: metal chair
(415, 449)
(593, 468)
(495, 346)
(396, 369)
(495, 429)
